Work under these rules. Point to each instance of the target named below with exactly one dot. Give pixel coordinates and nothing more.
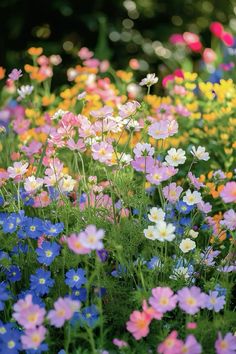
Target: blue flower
(4, 294)
(79, 294)
(185, 221)
(222, 291)
(47, 252)
(3, 217)
(89, 315)
(11, 342)
(75, 278)
(33, 227)
(119, 272)
(9, 225)
(42, 348)
(13, 273)
(27, 200)
(41, 282)
(154, 263)
(184, 208)
(51, 229)
(1, 200)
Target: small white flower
(200, 153)
(149, 80)
(150, 232)
(175, 157)
(187, 245)
(59, 114)
(156, 215)
(32, 184)
(180, 272)
(165, 232)
(67, 183)
(193, 234)
(24, 91)
(125, 159)
(192, 198)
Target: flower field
(117, 210)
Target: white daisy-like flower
(59, 114)
(200, 153)
(175, 157)
(149, 80)
(150, 232)
(67, 183)
(156, 215)
(187, 245)
(193, 234)
(180, 272)
(165, 232)
(192, 198)
(32, 184)
(24, 91)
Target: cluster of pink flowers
(86, 241)
(190, 300)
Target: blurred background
(114, 29)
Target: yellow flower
(125, 76)
(190, 76)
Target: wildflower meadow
(117, 207)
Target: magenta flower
(191, 346)
(172, 192)
(191, 300)
(63, 311)
(75, 245)
(91, 238)
(226, 345)
(33, 337)
(120, 343)
(195, 181)
(213, 302)
(138, 324)
(15, 74)
(28, 314)
(163, 299)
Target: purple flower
(102, 255)
(226, 345)
(15, 74)
(213, 302)
(191, 300)
(191, 346)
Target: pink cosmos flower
(143, 149)
(176, 38)
(227, 38)
(209, 55)
(171, 345)
(102, 151)
(159, 130)
(226, 345)
(64, 309)
(129, 109)
(157, 176)
(91, 238)
(42, 200)
(120, 343)
(75, 245)
(150, 311)
(191, 325)
(102, 112)
(33, 148)
(191, 346)
(72, 145)
(15, 74)
(163, 299)
(18, 169)
(191, 300)
(172, 192)
(229, 220)
(84, 53)
(228, 193)
(215, 302)
(28, 314)
(195, 181)
(33, 337)
(204, 207)
(138, 324)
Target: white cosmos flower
(156, 215)
(192, 198)
(187, 245)
(200, 153)
(149, 80)
(180, 272)
(59, 114)
(175, 157)
(32, 184)
(25, 90)
(67, 183)
(193, 234)
(165, 232)
(150, 232)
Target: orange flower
(2, 72)
(35, 51)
